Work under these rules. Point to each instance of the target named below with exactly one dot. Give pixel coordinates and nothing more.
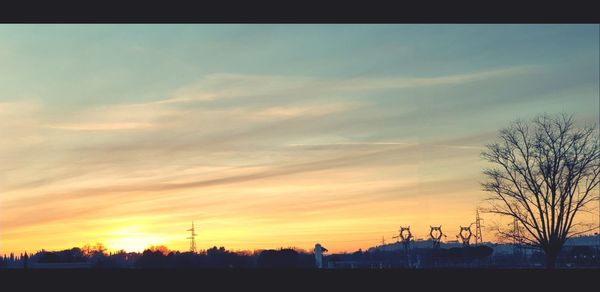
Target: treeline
(218, 257)
(416, 258)
(161, 257)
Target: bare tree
(546, 172)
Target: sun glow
(131, 239)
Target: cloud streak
(102, 127)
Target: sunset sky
(266, 136)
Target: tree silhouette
(97, 249)
(160, 248)
(546, 173)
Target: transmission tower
(597, 233)
(516, 236)
(192, 238)
(465, 234)
(478, 236)
(405, 236)
(435, 233)
(382, 240)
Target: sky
(266, 136)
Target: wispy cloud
(364, 83)
(225, 86)
(313, 110)
(102, 127)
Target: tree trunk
(551, 256)
(552, 252)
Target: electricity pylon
(192, 239)
(478, 236)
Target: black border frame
(282, 11)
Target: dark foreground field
(299, 280)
